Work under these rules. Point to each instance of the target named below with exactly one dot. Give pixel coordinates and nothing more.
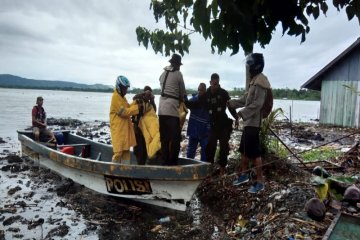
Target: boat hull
(170, 187)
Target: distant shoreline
(60, 89)
(279, 94)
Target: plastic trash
(319, 171)
(166, 219)
(156, 228)
(216, 234)
(98, 156)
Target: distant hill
(11, 81)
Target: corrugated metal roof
(314, 83)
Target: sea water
(16, 106)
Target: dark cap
(39, 98)
(147, 88)
(175, 59)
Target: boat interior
(72, 144)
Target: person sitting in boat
(148, 123)
(39, 124)
(121, 127)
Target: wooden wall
(339, 104)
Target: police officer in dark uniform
(215, 100)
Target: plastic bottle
(166, 219)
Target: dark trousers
(250, 142)
(223, 135)
(192, 146)
(170, 136)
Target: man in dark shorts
(252, 103)
(39, 125)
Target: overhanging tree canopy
(231, 24)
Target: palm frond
(265, 126)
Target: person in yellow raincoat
(149, 125)
(148, 122)
(121, 127)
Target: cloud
(93, 42)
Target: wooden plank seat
(73, 145)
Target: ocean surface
(16, 106)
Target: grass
(277, 148)
(323, 153)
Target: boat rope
(294, 154)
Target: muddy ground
(38, 204)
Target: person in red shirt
(39, 125)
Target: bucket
(68, 150)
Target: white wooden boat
(165, 186)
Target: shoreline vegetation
(285, 93)
(16, 82)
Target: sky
(90, 41)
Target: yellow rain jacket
(149, 125)
(121, 127)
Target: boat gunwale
(335, 221)
(197, 171)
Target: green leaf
(303, 20)
(309, 10)
(335, 195)
(234, 24)
(350, 12)
(206, 25)
(233, 38)
(201, 17)
(187, 3)
(336, 3)
(185, 16)
(316, 12)
(143, 36)
(266, 35)
(324, 7)
(285, 27)
(303, 36)
(265, 126)
(214, 8)
(195, 23)
(343, 179)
